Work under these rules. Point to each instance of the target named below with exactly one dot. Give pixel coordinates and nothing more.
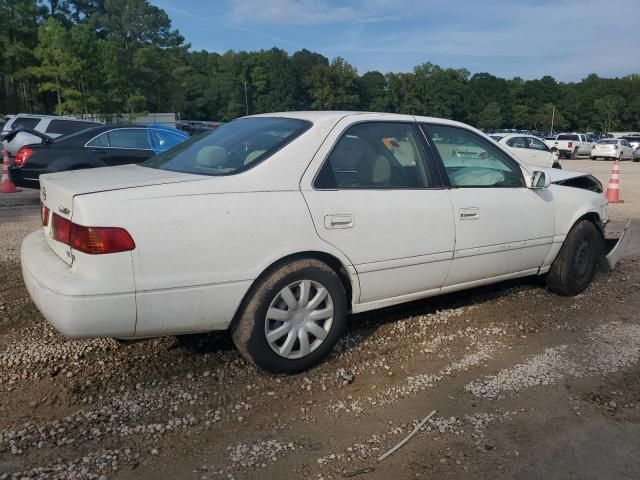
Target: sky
(567, 39)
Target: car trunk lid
(58, 190)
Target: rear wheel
(620, 156)
(575, 265)
(293, 318)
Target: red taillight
(45, 215)
(22, 156)
(570, 145)
(92, 240)
(99, 240)
(61, 229)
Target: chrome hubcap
(299, 319)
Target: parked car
(529, 149)
(277, 226)
(196, 127)
(613, 148)
(94, 147)
(571, 145)
(634, 141)
(50, 125)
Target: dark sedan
(94, 147)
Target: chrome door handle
(338, 221)
(472, 213)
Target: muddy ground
(525, 384)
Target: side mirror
(540, 180)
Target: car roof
(336, 115)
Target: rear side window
(231, 148)
(134, 138)
(101, 141)
(25, 122)
(65, 127)
(471, 161)
(517, 142)
(376, 155)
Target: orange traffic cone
(613, 189)
(6, 185)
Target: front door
(502, 227)
(379, 201)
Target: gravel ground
(515, 374)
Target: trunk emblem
(63, 210)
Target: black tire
(574, 154)
(574, 267)
(248, 329)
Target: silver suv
(50, 125)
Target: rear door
(520, 148)
(540, 154)
(120, 146)
(503, 228)
(373, 195)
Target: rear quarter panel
(198, 250)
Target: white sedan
(529, 149)
(613, 148)
(277, 226)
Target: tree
(490, 116)
(58, 69)
(609, 107)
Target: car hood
(557, 175)
(568, 178)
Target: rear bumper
(24, 177)
(595, 153)
(49, 281)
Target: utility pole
(553, 117)
(246, 101)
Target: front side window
(536, 144)
(162, 140)
(376, 155)
(472, 161)
(232, 148)
(131, 138)
(517, 142)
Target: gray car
(634, 141)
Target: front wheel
(575, 265)
(293, 318)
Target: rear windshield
(567, 137)
(231, 148)
(611, 141)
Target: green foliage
(123, 56)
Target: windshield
(231, 148)
(608, 142)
